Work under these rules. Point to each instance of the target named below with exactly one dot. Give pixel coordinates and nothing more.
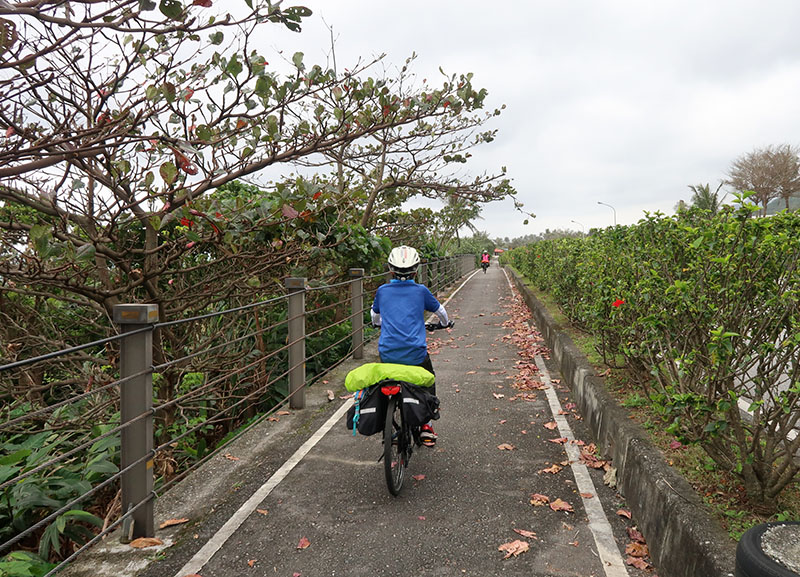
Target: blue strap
(357, 399)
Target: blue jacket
(401, 306)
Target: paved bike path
(463, 499)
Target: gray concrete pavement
(466, 499)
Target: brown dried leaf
(587, 495)
(551, 425)
(514, 548)
(262, 511)
(330, 394)
(638, 563)
(537, 500)
(635, 535)
(471, 372)
(172, 522)
(552, 470)
(560, 440)
(524, 533)
(251, 562)
(230, 457)
(144, 542)
(498, 395)
(624, 513)
(559, 505)
(283, 413)
(304, 543)
(506, 447)
(637, 550)
(418, 477)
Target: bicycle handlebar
(438, 326)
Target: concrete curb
(684, 540)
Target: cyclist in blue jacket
(399, 309)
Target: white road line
(613, 563)
(216, 542)
(607, 549)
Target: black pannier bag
(419, 405)
(372, 411)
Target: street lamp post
(612, 208)
(583, 228)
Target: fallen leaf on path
(638, 563)
(418, 477)
(537, 500)
(624, 513)
(524, 533)
(172, 523)
(514, 548)
(551, 425)
(635, 535)
(559, 505)
(251, 562)
(471, 372)
(552, 470)
(283, 413)
(262, 511)
(346, 396)
(498, 395)
(637, 550)
(144, 542)
(587, 495)
(421, 517)
(503, 422)
(560, 440)
(330, 394)
(304, 543)
(506, 447)
(273, 419)
(230, 457)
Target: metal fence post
(422, 273)
(297, 341)
(357, 312)
(136, 399)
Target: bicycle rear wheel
(394, 445)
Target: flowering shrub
(704, 311)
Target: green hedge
(704, 311)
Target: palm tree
(703, 198)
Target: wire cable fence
(86, 446)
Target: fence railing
(154, 423)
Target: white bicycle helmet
(403, 262)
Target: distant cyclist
(399, 309)
(485, 260)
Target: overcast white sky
(626, 102)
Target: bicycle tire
(394, 441)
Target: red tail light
(390, 390)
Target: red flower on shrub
(618, 303)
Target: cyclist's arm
(442, 314)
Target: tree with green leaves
(704, 199)
(121, 123)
